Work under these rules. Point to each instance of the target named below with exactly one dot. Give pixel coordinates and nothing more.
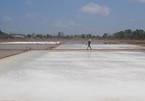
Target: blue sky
(71, 16)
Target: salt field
(12, 48)
(49, 75)
(7, 53)
(32, 42)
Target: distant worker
(89, 44)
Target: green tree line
(3, 35)
(129, 34)
(137, 34)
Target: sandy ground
(50, 75)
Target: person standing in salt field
(89, 44)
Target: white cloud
(65, 24)
(133, 20)
(142, 1)
(60, 24)
(92, 8)
(7, 18)
(29, 3)
(30, 16)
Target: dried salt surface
(100, 46)
(73, 76)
